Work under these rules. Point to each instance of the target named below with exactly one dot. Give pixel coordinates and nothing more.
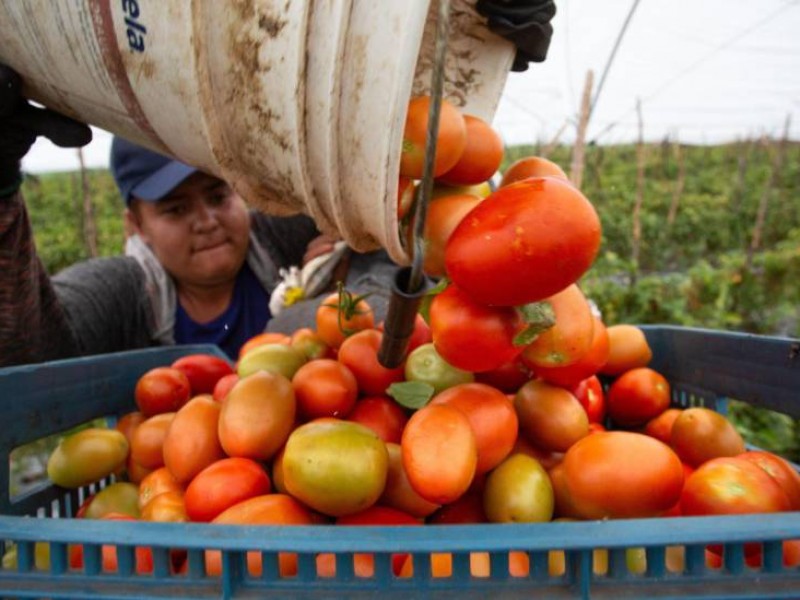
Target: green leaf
(411, 394)
(539, 317)
(425, 304)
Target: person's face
(199, 233)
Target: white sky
(707, 71)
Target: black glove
(526, 23)
(20, 125)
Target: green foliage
(54, 203)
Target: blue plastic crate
(704, 367)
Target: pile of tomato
(515, 403)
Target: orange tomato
(491, 416)
(339, 316)
(780, 470)
(627, 349)
(531, 166)
(437, 475)
(224, 386)
(222, 484)
(359, 353)
(587, 365)
(191, 442)
(444, 214)
(481, 157)
(660, 427)
(257, 416)
(569, 338)
(620, 474)
(168, 507)
(325, 388)
(269, 509)
(157, 482)
(451, 138)
(398, 493)
(127, 424)
(405, 196)
(147, 442)
(700, 434)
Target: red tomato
(660, 427)
(203, 371)
(224, 386)
(222, 484)
(589, 393)
(359, 353)
(325, 388)
(162, 390)
(508, 377)
(524, 242)
(637, 396)
(481, 157)
(780, 470)
(586, 366)
(731, 486)
(381, 414)
(620, 474)
(675, 511)
(471, 336)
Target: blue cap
(144, 174)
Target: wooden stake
(763, 205)
(576, 169)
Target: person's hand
(526, 23)
(320, 245)
(20, 125)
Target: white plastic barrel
(299, 104)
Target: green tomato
(275, 358)
(518, 490)
(426, 365)
(87, 456)
(120, 497)
(336, 467)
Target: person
(199, 266)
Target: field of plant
(714, 242)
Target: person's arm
(33, 326)
(525, 23)
(286, 239)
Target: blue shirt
(246, 316)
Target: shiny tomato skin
(381, 414)
(731, 486)
(621, 474)
(471, 336)
(524, 242)
(203, 371)
(699, 434)
(359, 353)
(589, 393)
(780, 470)
(324, 388)
(162, 390)
(637, 396)
(222, 484)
